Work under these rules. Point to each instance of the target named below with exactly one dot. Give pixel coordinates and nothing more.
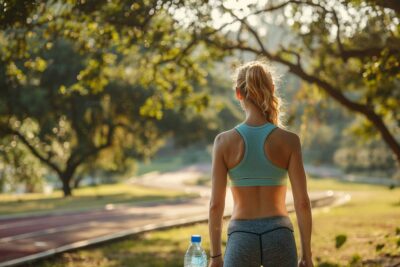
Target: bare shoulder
(226, 137)
(223, 142)
(288, 137)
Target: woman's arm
(301, 201)
(217, 201)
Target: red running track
(21, 237)
(28, 238)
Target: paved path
(23, 239)
(334, 172)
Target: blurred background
(98, 96)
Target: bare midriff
(252, 202)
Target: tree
(349, 50)
(94, 76)
(19, 167)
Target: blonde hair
(256, 84)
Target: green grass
(159, 248)
(368, 221)
(83, 198)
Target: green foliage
(347, 51)
(99, 79)
(19, 170)
(379, 247)
(340, 240)
(365, 158)
(354, 47)
(356, 258)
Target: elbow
(304, 204)
(216, 207)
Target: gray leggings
(267, 241)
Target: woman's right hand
(217, 262)
(306, 263)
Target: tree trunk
(77, 181)
(66, 187)
(388, 138)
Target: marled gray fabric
(267, 241)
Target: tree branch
(343, 52)
(391, 4)
(270, 8)
(328, 88)
(244, 22)
(338, 39)
(368, 52)
(73, 164)
(297, 55)
(181, 54)
(9, 131)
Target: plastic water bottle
(195, 255)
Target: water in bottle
(195, 255)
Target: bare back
(259, 201)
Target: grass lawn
(368, 223)
(83, 198)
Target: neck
(254, 115)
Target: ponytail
(256, 84)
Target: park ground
(363, 232)
(91, 197)
(86, 198)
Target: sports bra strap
(255, 168)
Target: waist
(261, 224)
(238, 213)
(258, 201)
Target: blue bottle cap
(196, 238)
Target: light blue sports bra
(255, 168)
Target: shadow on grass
(132, 252)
